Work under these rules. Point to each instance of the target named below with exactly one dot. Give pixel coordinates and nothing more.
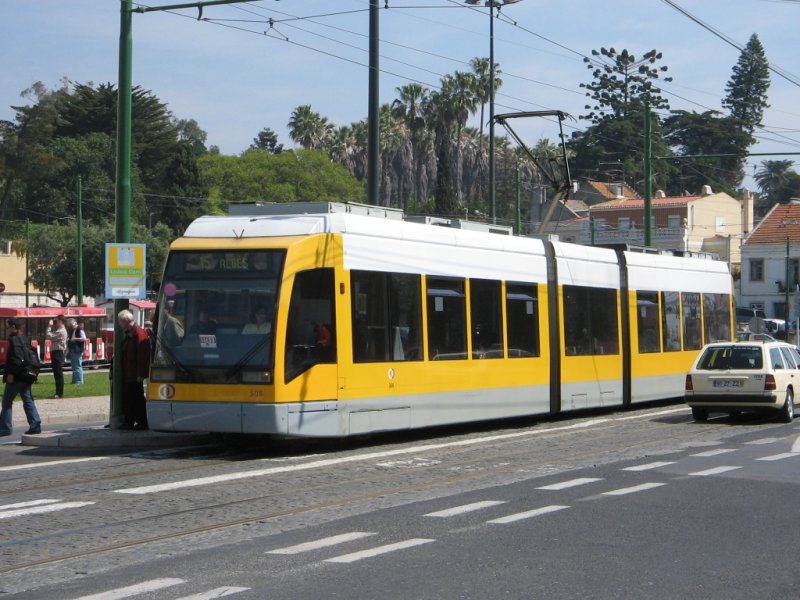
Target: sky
(236, 74)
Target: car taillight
(689, 387)
(769, 382)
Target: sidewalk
(94, 409)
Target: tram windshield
(216, 315)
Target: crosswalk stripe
(321, 543)
(568, 484)
(215, 593)
(38, 510)
(779, 456)
(52, 463)
(768, 440)
(528, 514)
(133, 590)
(633, 489)
(353, 557)
(714, 471)
(28, 503)
(648, 466)
(716, 452)
(464, 508)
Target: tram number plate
(727, 383)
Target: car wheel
(700, 414)
(787, 412)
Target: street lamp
(492, 4)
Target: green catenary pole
(79, 269)
(373, 113)
(648, 177)
(123, 190)
(517, 216)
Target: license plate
(727, 383)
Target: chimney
(660, 194)
(747, 211)
(707, 190)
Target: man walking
(58, 340)
(17, 383)
(135, 369)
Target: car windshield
(722, 358)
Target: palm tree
(459, 89)
(309, 128)
(481, 69)
(409, 106)
(772, 174)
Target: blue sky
(236, 75)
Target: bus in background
(35, 322)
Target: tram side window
(692, 332)
(487, 318)
(310, 334)
(522, 316)
(647, 320)
(717, 317)
(447, 319)
(387, 317)
(670, 321)
(590, 321)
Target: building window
(674, 221)
(756, 269)
(794, 271)
(624, 223)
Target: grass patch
(94, 384)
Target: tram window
(647, 321)
(487, 318)
(522, 319)
(310, 333)
(670, 321)
(387, 317)
(590, 321)
(447, 319)
(717, 317)
(692, 333)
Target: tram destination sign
(126, 271)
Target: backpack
(30, 363)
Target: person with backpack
(22, 368)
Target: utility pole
(373, 115)
(648, 176)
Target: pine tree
(747, 88)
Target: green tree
(777, 182)
(267, 140)
(747, 88)
(308, 128)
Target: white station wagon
(752, 375)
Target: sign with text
(125, 271)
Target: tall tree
(410, 107)
(267, 140)
(747, 88)
(309, 128)
(774, 179)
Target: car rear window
(721, 358)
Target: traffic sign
(125, 271)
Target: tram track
(523, 459)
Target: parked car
(753, 375)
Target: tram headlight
(162, 374)
(257, 376)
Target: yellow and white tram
(338, 324)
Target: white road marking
(568, 484)
(648, 466)
(528, 514)
(28, 503)
(38, 510)
(464, 508)
(779, 456)
(716, 452)
(318, 464)
(133, 590)
(653, 414)
(762, 441)
(52, 463)
(321, 543)
(796, 445)
(632, 490)
(348, 558)
(215, 593)
(714, 471)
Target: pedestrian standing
(17, 384)
(135, 369)
(75, 347)
(58, 339)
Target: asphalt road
(640, 504)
